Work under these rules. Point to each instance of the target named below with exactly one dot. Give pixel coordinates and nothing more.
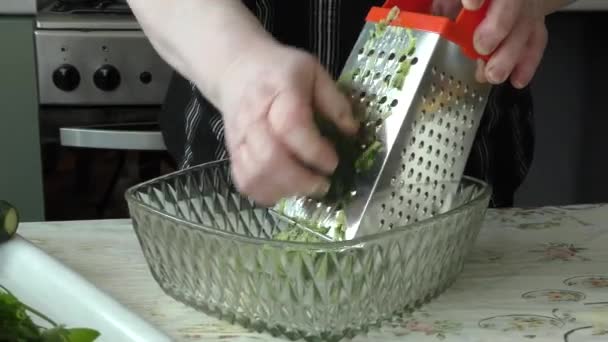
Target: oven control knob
(66, 77)
(107, 78)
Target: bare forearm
(200, 38)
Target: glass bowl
(212, 249)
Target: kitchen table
(535, 274)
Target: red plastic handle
(415, 14)
(416, 6)
(463, 29)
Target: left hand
(514, 32)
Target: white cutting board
(48, 286)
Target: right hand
(268, 98)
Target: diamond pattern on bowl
(210, 248)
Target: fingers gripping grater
(411, 78)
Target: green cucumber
(9, 220)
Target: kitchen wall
(571, 163)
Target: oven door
(91, 155)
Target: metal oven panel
(99, 67)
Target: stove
(101, 86)
(93, 52)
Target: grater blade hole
(394, 103)
(371, 53)
(391, 56)
(414, 61)
(381, 54)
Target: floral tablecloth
(534, 275)
(537, 274)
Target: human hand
(513, 32)
(268, 98)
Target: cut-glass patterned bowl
(211, 249)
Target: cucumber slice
(9, 220)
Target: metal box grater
(415, 85)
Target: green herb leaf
(82, 335)
(17, 325)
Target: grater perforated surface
(418, 93)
